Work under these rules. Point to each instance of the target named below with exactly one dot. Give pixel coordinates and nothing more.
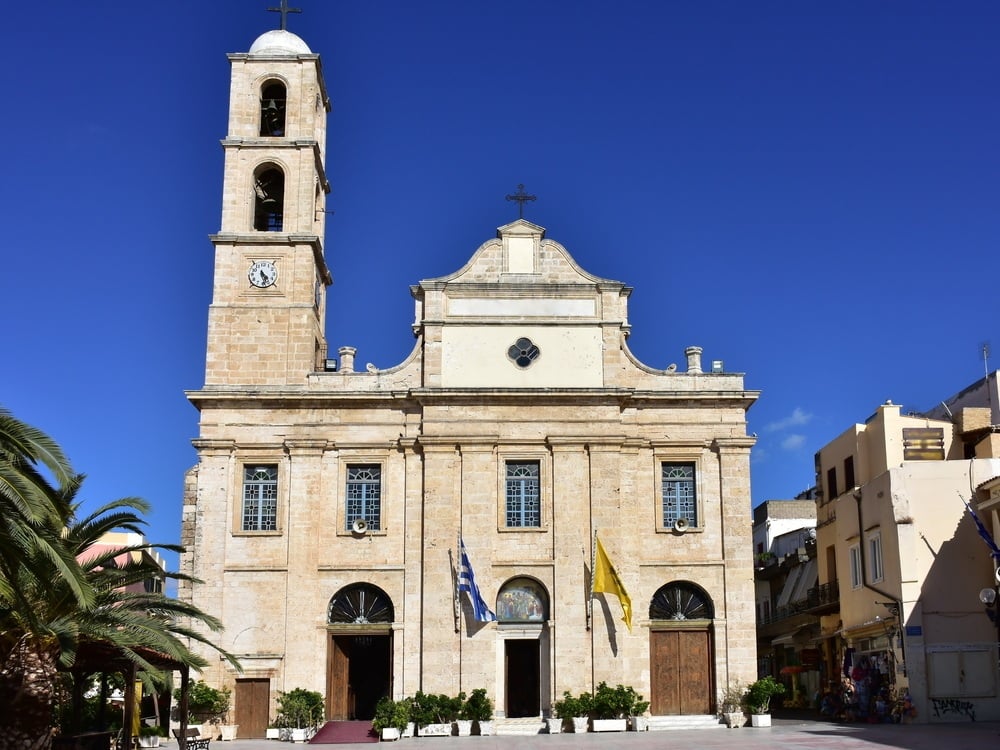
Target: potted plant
(434, 714)
(611, 707)
(576, 709)
(636, 710)
(731, 706)
(390, 721)
(206, 704)
(301, 710)
(479, 708)
(562, 710)
(273, 731)
(149, 736)
(757, 699)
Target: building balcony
(823, 599)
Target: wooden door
(253, 700)
(681, 672)
(338, 688)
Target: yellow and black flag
(605, 579)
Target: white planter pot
(150, 741)
(464, 727)
(408, 732)
(760, 720)
(639, 723)
(735, 719)
(485, 727)
(300, 735)
(610, 725)
(390, 733)
(580, 724)
(272, 733)
(555, 725)
(435, 730)
(228, 731)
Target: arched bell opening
(681, 650)
(272, 109)
(359, 651)
(269, 199)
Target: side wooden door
(253, 697)
(681, 672)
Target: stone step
(530, 725)
(696, 721)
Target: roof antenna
(985, 348)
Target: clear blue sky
(809, 191)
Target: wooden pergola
(94, 657)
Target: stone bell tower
(266, 320)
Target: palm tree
(33, 511)
(44, 625)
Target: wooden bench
(192, 740)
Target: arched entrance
(359, 652)
(522, 614)
(680, 650)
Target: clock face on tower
(263, 274)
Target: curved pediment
(520, 255)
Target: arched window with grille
(360, 604)
(681, 600)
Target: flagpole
(456, 606)
(590, 590)
(590, 606)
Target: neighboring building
(893, 532)
(115, 540)
(324, 512)
(785, 576)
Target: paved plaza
(785, 733)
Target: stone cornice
(274, 143)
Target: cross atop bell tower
(284, 10)
(267, 317)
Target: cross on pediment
(521, 197)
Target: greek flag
(467, 582)
(987, 537)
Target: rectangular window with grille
(523, 488)
(364, 495)
(260, 498)
(679, 502)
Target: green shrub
(617, 702)
(436, 709)
(300, 708)
(206, 704)
(758, 695)
(478, 707)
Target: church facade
(325, 512)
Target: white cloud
(796, 418)
(793, 442)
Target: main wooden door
(253, 699)
(359, 672)
(681, 672)
(521, 657)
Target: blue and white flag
(983, 532)
(467, 582)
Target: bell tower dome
(266, 321)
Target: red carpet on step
(344, 732)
